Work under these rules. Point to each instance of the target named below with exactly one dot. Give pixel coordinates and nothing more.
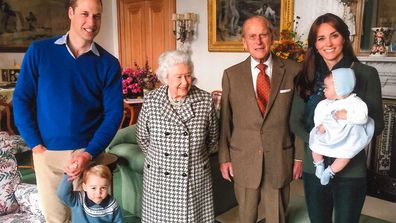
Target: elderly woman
(177, 130)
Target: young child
(94, 204)
(342, 126)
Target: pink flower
(134, 81)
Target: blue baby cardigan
(68, 103)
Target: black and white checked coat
(177, 184)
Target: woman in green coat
(329, 48)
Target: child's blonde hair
(98, 170)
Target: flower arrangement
(136, 81)
(289, 46)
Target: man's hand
(77, 164)
(297, 169)
(39, 149)
(341, 114)
(226, 171)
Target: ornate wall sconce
(184, 25)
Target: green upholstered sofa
(128, 178)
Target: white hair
(169, 59)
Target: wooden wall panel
(145, 30)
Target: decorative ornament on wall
(184, 26)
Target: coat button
(148, 165)
(166, 173)
(167, 133)
(185, 133)
(184, 174)
(166, 154)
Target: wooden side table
(132, 108)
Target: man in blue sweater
(68, 103)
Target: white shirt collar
(63, 41)
(268, 62)
(255, 71)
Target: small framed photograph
(4, 75)
(13, 75)
(9, 75)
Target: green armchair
(128, 179)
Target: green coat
(368, 88)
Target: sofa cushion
(20, 218)
(9, 180)
(28, 199)
(12, 143)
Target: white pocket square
(282, 91)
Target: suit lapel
(278, 73)
(247, 85)
(187, 108)
(247, 82)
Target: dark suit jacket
(246, 137)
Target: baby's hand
(321, 129)
(341, 114)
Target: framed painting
(225, 19)
(23, 21)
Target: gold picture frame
(218, 39)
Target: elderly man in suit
(256, 148)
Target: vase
(382, 40)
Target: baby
(342, 126)
(94, 204)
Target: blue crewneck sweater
(68, 103)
